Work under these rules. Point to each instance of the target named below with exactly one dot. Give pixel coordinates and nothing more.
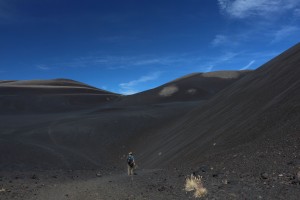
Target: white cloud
(103, 87)
(129, 87)
(209, 68)
(122, 62)
(43, 67)
(249, 8)
(149, 61)
(210, 63)
(226, 57)
(285, 32)
(248, 65)
(219, 40)
(128, 91)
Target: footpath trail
(147, 184)
(157, 184)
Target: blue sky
(134, 45)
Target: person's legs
(131, 170)
(128, 170)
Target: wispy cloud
(209, 69)
(227, 56)
(248, 65)
(285, 32)
(104, 87)
(268, 21)
(249, 8)
(130, 87)
(233, 39)
(219, 40)
(210, 63)
(43, 67)
(116, 62)
(151, 61)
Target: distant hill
(49, 95)
(193, 87)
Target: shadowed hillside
(261, 109)
(66, 124)
(49, 96)
(84, 132)
(193, 87)
(239, 132)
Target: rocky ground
(264, 169)
(221, 183)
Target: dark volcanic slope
(49, 95)
(193, 87)
(85, 138)
(263, 106)
(65, 124)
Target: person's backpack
(130, 161)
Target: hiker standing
(130, 163)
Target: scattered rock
(54, 176)
(225, 181)
(162, 188)
(296, 179)
(99, 175)
(264, 175)
(232, 182)
(295, 162)
(298, 175)
(204, 168)
(215, 175)
(34, 176)
(2, 190)
(290, 176)
(295, 182)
